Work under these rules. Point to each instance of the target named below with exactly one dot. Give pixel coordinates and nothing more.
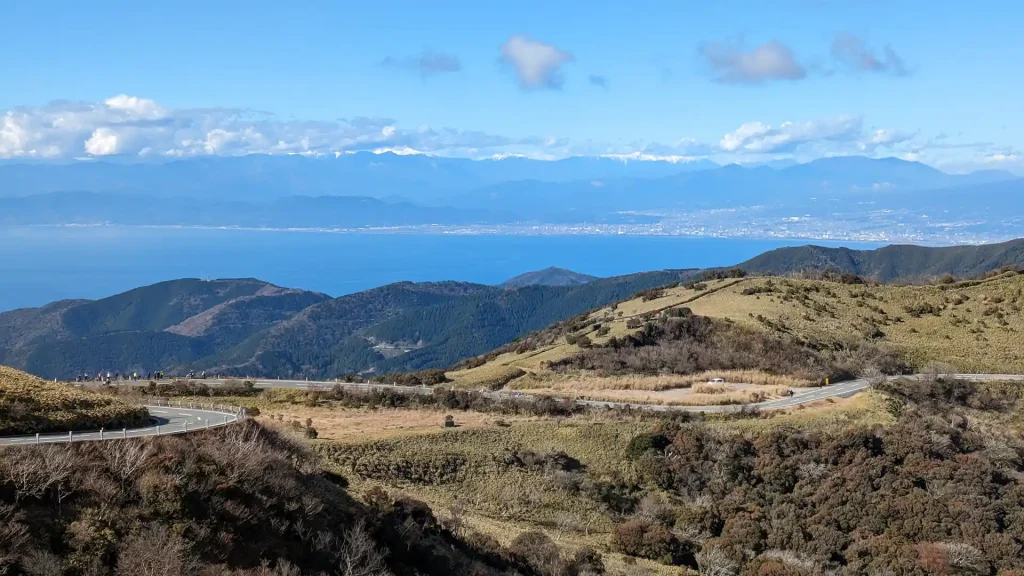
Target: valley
(674, 423)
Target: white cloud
(129, 125)
(1002, 158)
(537, 65)
(137, 107)
(132, 126)
(103, 142)
(733, 63)
(759, 138)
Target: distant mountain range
(374, 190)
(249, 327)
(264, 177)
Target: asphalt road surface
(168, 419)
(177, 418)
(837, 390)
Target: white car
(716, 381)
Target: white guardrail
(166, 417)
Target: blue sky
(937, 81)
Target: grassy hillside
(29, 405)
(892, 263)
(973, 326)
(892, 481)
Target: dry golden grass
(711, 389)
(358, 425)
(866, 409)
(976, 327)
(677, 397)
(29, 404)
(587, 382)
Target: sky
(733, 81)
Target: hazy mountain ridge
(264, 177)
(361, 190)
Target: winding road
(165, 418)
(838, 390)
(170, 417)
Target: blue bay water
(42, 264)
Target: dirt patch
(353, 425)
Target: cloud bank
(126, 125)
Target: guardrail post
(207, 422)
(124, 433)
(71, 437)
(185, 426)
(101, 433)
(225, 418)
(37, 437)
(157, 429)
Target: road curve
(166, 418)
(178, 418)
(838, 390)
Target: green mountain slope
(318, 342)
(892, 263)
(150, 328)
(548, 277)
(246, 327)
(459, 330)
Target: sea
(39, 265)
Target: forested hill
(892, 263)
(549, 277)
(149, 328)
(249, 327)
(408, 326)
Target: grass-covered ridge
(29, 404)
(917, 477)
(974, 326)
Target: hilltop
(764, 330)
(891, 263)
(552, 276)
(29, 405)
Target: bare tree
(873, 375)
(965, 557)
(14, 536)
(43, 563)
(154, 551)
(715, 562)
(360, 554)
(126, 458)
(24, 469)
